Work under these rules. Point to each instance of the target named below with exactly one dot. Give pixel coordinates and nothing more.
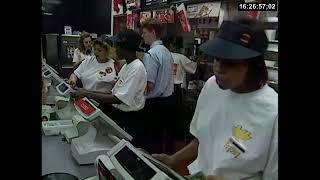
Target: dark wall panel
(96, 16)
(89, 15)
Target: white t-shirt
(181, 65)
(96, 76)
(250, 118)
(130, 87)
(79, 56)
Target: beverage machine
(68, 43)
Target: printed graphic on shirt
(233, 144)
(101, 75)
(109, 70)
(241, 134)
(174, 68)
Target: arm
(271, 169)
(72, 80)
(104, 98)
(150, 86)
(184, 157)
(188, 154)
(98, 96)
(151, 66)
(188, 65)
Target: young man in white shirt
(181, 66)
(127, 99)
(235, 123)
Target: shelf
(120, 15)
(186, 2)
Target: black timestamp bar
(257, 6)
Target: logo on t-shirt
(109, 70)
(233, 144)
(174, 69)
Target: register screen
(63, 87)
(135, 166)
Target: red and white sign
(182, 14)
(164, 15)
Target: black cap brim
(221, 48)
(115, 39)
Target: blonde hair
(152, 24)
(81, 45)
(110, 50)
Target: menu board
(210, 9)
(153, 4)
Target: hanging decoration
(182, 14)
(117, 7)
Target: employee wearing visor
(235, 123)
(127, 98)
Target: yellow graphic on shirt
(232, 149)
(240, 134)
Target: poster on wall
(145, 15)
(130, 4)
(204, 10)
(117, 7)
(164, 15)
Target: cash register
(102, 134)
(59, 84)
(125, 162)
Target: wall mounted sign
(204, 10)
(164, 15)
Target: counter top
(56, 157)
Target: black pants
(180, 124)
(131, 122)
(158, 119)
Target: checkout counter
(80, 134)
(74, 132)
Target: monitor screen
(63, 87)
(47, 73)
(135, 166)
(103, 172)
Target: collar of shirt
(157, 42)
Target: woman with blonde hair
(84, 51)
(98, 73)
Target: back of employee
(181, 66)
(158, 62)
(235, 123)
